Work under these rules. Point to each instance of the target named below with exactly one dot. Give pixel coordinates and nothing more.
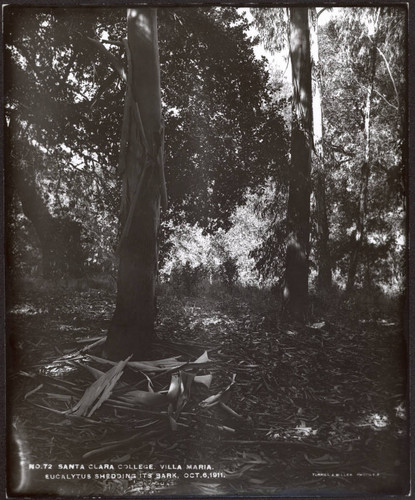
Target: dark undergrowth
(280, 408)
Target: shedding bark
(143, 189)
(295, 293)
(318, 163)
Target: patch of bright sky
(104, 35)
(275, 59)
(278, 59)
(259, 49)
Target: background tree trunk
(295, 291)
(322, 243)
(59, 237)
(358, 235)
(141, 166)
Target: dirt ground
(300, 409)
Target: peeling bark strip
(298, 214)
(141, 165)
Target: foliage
(223, 132)
(344, 51)
(50, 88)
(272, 24)
(226, 133)
(229, 271)
(344, 42)
(224, 233)
(192, 255)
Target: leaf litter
(265, 400)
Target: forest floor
(299, 409)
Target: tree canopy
(226, 119)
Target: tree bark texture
(131, 330)
(295, 293)
(359, 234)
(318, 164)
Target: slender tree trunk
(295, 293)
(141, 166)
(322, 246)
(359, 235)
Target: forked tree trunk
(59, 238)
(295, 293)
(322, 245)
(35, 210)
(131, 330)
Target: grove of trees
(156, 143)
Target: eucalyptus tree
(295, 291)
(358, 236)
(224, 132)
(141, 166)
(324, 279)
(75, 83)
(296, 28)
(365, 101)
(70, 72)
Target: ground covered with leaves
(236, 402)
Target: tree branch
(340, 149)
(322, 10)
(104, 86)
(113, 42)
(390, 72)
(384, 98)
(159, 143)
(68, 67)
(116, 63)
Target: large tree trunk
(141, 165)
(295, 291)
(322, 244)
(59, 238)
(359, 235)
